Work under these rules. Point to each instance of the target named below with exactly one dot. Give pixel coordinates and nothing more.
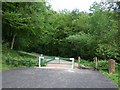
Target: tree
(22, 18)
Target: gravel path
(62, 64)
(54, 78)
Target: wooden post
(79, 62)
(96, 62)
(111, 64)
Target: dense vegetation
(13, 59)
(35, 27)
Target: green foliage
(12, 59)
(103, 64)
(96, 7)
(79, 45)
(87, 63)
(106, 51)
(43, 63)
(37, 28)
(18, 63)
(22, 21)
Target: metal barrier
(56, 58)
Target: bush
(12, 58)
(87, 63)
(102, 64)
(81, 44)
(105, 51)
(17, 63)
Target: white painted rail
(72, 62)
(56, 58)
(40, 60)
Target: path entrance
(62, 64)
(56, 62)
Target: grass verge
(13, 59)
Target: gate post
(40, 60)
(56, 58)
(111, 64)
(79, 62)
(96, 62)
(72, 62)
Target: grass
(4, 66)
(87, 63)
(11, 55)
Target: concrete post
(111, 67)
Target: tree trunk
(13, 41)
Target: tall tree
(21, 18)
